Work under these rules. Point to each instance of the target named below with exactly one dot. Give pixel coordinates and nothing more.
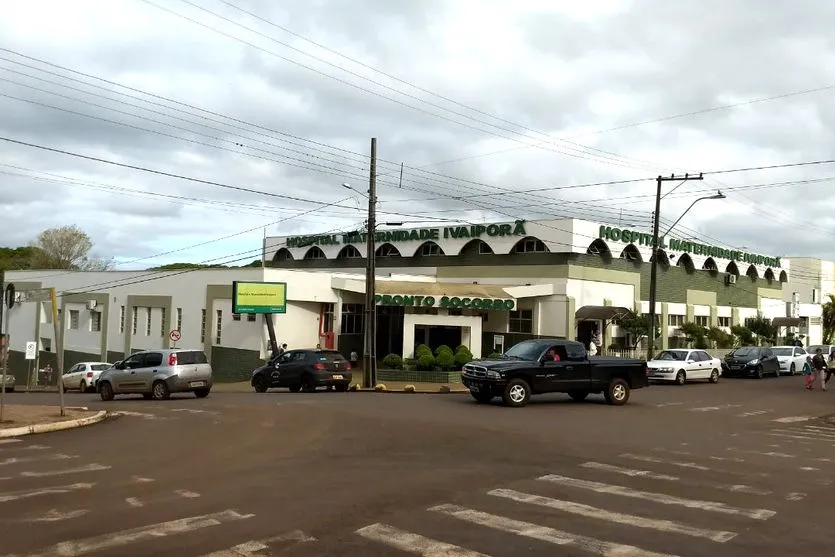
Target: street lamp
(653, 275)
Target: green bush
(462, 358)
(426, 362)
(393, 361)
(494, 356)
(445, 360)
(410, 363)
(423, 350)
(461, 348)
(443, 349)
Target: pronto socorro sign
(443, 302)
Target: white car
(83, 376)
(682, 365)
(791, 358)
(9, 380)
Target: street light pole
(370, 363)
(653, 271)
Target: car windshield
(331, 357)
(783, 351)
(671, 355)
(99, 367)
(526, 351)
(743, 352)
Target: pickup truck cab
(530, 368)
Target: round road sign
(174, 335)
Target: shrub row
(443, 359)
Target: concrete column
(734, 316)
(690, 314)
(607, 331)
(714, 316)
(665, 330)
(570, 322)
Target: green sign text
(643, 239)
(443, 302)
(412, 235)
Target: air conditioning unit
(91, 304)
(730, 278)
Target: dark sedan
(304, 370)
(750, 361)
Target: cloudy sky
(272, 110)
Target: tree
(743, 335)
(694, 334)
(638, 326)
(762, 328)
(17, 259)
(67, 247)
(828, 319)
(720, 338)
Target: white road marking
(143, 415)
(23, 460)
(628, 471)
(544, 533)
(17, 495)
(665, 404)
(620, 518)
(25, 448)
(86, 468)
(9, 441)
(720, 458)
(141, 480)
(55, 515)
(753, 413)
(254, 548)
(770, 453)
(643, 458)
(714, 408)
(804, 435)
(151, 532)
(187, 494)
(414, 543)
(136, 502)
(810, 430)
(195, 411)
(793, 419)
(662, 498)
(795, 496)
(809, 469)
(803, 440)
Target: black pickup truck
(529, 368)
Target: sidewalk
(391, 387)
(21, 419)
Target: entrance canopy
(787, 321)
(602, 313)
(438, 290)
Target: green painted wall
(230, 365)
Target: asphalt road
(744, 467)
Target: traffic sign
(31, 350)
(174, 335)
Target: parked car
(157, 374)
(747, 361)
(828, 350)
(528, 368)
(682, 365)
(304, 370)
(9, 381)
(790, 358)
(83, 376)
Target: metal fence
(641, 353)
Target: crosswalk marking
(663, 498)
(628, 471)
(643, 458)
(714, 408)
(17, 495)
(9, 441)
(545, 533)
(601, 514)
(154, 531)
(77, 470)
(27, 459)
(414, 543)
(25, 448)
(254, 548)
(793, 419)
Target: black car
(750, 361)
(553, 366)
(304, 370)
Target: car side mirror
(120, 365)
(276, 364)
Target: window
(152, 359)
(236, 317)
(352, 319)
(327, 318)
(484, 248)
(163, 326)
(675, 320)
(430, 248)
(95, 322)
(148, 322)
(724, 321)
(701, 320)
(179, 319)
(530, 245)
(203, 327)
(191, 357)
(250, 317)
(135, 317)
(219, 325)
(122, 319)
(816, 296)
(74, 316)
(388, 250)
(521, 321)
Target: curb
(402, 392)
(57, 426)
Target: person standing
(354, 358)
(808, 374)
(819, 365)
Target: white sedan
(682, 365)
(791, 358)
(83, 376)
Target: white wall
(22, 325)
(550, 317)
(591, 293)
(772, 307)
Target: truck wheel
(517, 393)
(617, 394)
(482, 396)
(578, 396)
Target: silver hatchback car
(157, 374)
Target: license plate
(737, 367)
(337, 377)
(197, 384)
(474, 388)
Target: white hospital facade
(487, 286)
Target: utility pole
(58, 329)
(370, 356)
(653, 272)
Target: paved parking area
(738, 468)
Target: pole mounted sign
(259, 297)
(174, 335)
(31, 350)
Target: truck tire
(517, 393)
(617, 393)
(578, 396)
